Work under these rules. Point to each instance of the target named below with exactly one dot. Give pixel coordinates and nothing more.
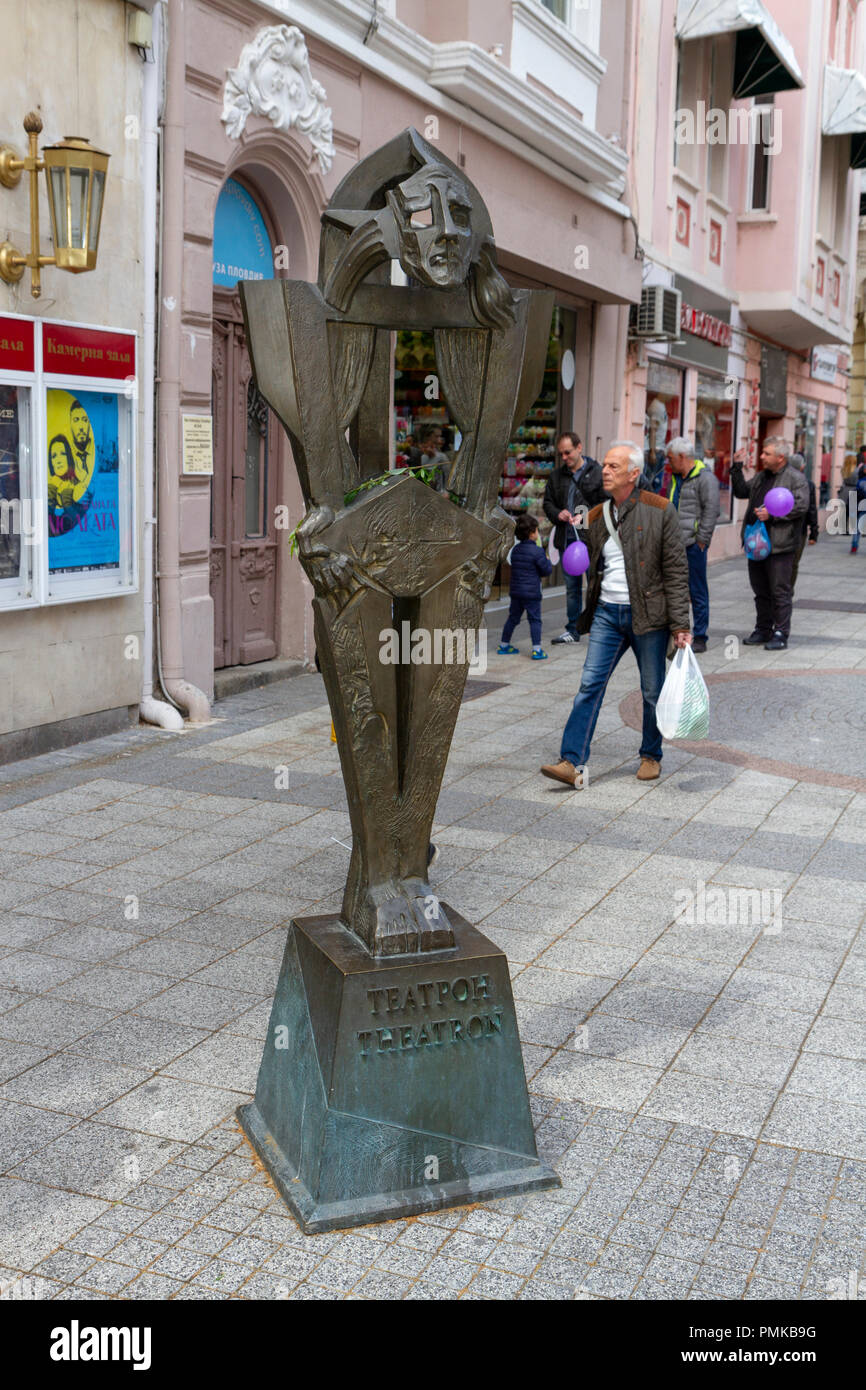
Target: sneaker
(564, 637)
(432, 854)
(649, 769)
(699, 644)
(757, 639)
(506, 649)
(538, 654)
(564, 771)
(777, 643)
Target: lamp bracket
(10, 167)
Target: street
(687, 957)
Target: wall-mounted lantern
(75, 173)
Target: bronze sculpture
(379, 557)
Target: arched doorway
(243, 551)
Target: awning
(845, 109)
(764, 59)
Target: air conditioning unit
(657, 315)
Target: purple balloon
(779, 501)
(575, 558)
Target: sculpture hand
(332, 569)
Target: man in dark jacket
(574, 485)
(810, 520)
(771, 579)
(638, 597)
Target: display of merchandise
(531, 454)
(415, 388)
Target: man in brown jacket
(638, 597)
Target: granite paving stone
(701, 1089)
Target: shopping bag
(683, 709)
(552, 552)
(756, 541)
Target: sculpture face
(433, 213)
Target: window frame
(44, 588)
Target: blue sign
(241, 246)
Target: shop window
(18, 520)
(531, 455)
(828, 444)
(421, 416)
(715, 432)
(66, 463)
(805, 432)
(663, 418)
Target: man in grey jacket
(771, 579)
(694, 491)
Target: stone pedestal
(391, 1087)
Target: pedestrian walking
(694, 491)
(575, 485)
(772, 579)
(528, 564)
(809, 529)
(638, 597)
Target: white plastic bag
(683, 709)
(552, 552)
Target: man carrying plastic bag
(638, 597)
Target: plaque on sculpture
(392, 1080)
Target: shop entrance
(243, 548)
(243, 555)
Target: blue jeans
(573, 601)
(515, 613)
(610, 636)
(698, 590)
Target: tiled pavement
(700, 1088)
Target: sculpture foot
(403, 919)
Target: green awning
(764, 60)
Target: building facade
(267, 108)
(746, 203)
(72, 507)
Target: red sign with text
(16, 345)
(75, 351)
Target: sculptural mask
(436, 249)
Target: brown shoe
(649, 769)
(564, 771)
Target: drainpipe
(181, 691)
(151, 710)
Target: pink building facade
(746, 202)
(267, 107)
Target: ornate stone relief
(273, 79)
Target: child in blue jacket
(528, 563)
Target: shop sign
(824, 365)
(68, 350)
(704, 325)
(16, 345)
(198, 444)
(241, 245)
